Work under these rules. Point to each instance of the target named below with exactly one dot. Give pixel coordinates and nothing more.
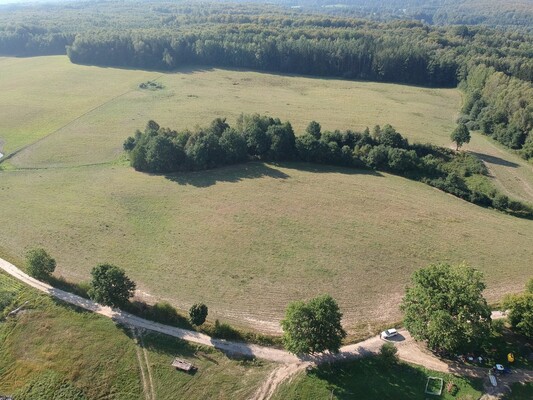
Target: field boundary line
(15, 152)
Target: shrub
(198, 313)
(388, 353)
(39, 264)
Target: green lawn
(248, 239)
(52, 348)
(370, 379)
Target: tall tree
(445, 307)
(520, 310)
(460, 135)
(110, 286)
(313, 327)
(198, 313)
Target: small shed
(183, 365)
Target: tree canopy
(39, 264)
(313, 327)
(110, 286)
(259, 137)
(460, 135)
(445, 307)
(520, 310)
(198, 313)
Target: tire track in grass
(148, 369)
(14, 153)
(138, 352)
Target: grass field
(189, 97)
(250, 238)
(368, 379)
(51, 344)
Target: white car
(389, 333)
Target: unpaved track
(408, 350)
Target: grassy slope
(245, 239)
(95, 356)
(369, 379)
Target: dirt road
(408, 350)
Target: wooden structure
(183, 365)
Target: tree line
(494, 67)
(500, 106)
(256, 137)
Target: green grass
(246, 239)
(53, 349)
(369, 378)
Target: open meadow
(245, 239)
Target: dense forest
(494, 67)
(256, 137)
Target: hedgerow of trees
(256, 137)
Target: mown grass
(52, 350)
(248, 239)
(369, 378)
(191, 97)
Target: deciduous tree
(39, 264)
(313, 327)
(110, 286)
(460, 135)
(198, 313)
(445, 307)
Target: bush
(39, 264)
(198, 313)
(388, 353)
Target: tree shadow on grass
(327, 168)
(234, 173)
(495, 160)
(256, 169)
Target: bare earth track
(408, 350)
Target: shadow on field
(495, 160)
(327, 169)
(234, 174)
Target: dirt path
(144, 365)
(408, 350)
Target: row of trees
(444, 307)
(354, 56)
(109, 286)
(268, 38)
(257, 137)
